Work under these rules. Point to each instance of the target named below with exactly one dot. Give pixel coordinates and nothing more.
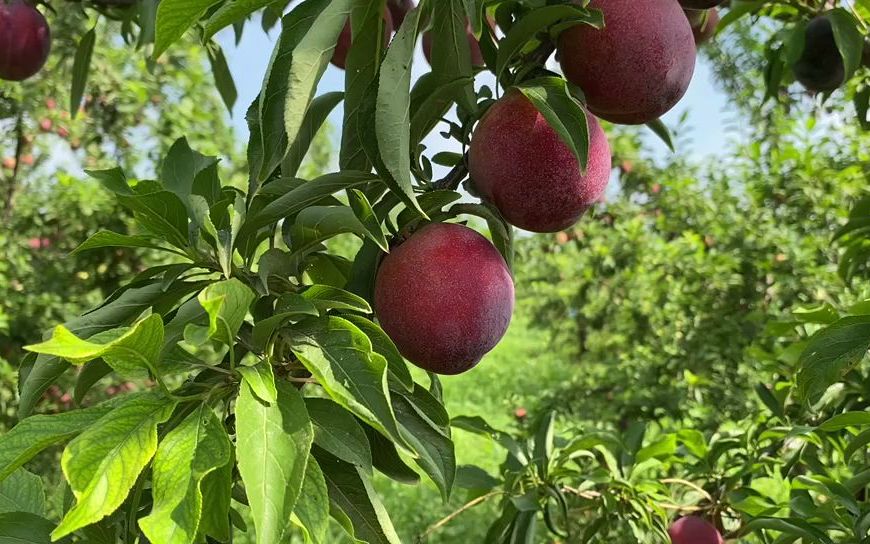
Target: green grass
(512, 376)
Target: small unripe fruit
(520, 164)
(25, 40)
(63, 132)
(703, 24)
(50, 103)
(27, 160)
(345, 39)
(694, 530)
(45, 125)
(445, 296)
(638, 66)
(820, 67)
(9, 163)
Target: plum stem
(454, 177)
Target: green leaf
(859, 443)
(831, 352)
(304, 48)
(217, 493)
(316, 115)
(326, 297)
(298, 199)
(337, 431)
(106, 238)
(129, 351)
(81, 68)
(842, 421)
(662, 448)
(351, 491)
(25, 528)
(791, 526)
(850, 41)
(386, 458)
(382, 344)
(22, 491)
(223, 78)
(392, 117)
(186, 455)
(366, 215)
(231, 12)
(34, 434)
(319, 223)
(361, 72)
(562, 112)
(544, 442)
(162, 214)
(311, 514)
(342, 359)
(174, 17)
(272, 446)
(435, 450)
(661, 130)
(430, 102)
(180, 169)
(530, 25)
(261, 379)
(296, 309)
(451, 53)
(102, 464)
(227, 304)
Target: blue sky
(708, 114)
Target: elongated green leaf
(430, 102)
(223, 78)
(25, 528)
(316, 224)
(326, 297)
(366, 215)
(304, 48)
(180, 169)
(105, 238)
(231, 12)
(386, 458)
(451, 52)
(341, 357)
(186, 455)
(847, 34)
(436, 452)
(81, 69)
(161, 213)
(829, 353)
(339, 433)
(22, 491)
(36, 377)
(216, 494)
(129, 351)
(563, 113)
(312, 509)
(102, 464)
(848, 419)
(792, 526)
(393, 117)
(307, 194)
(227, 305)
(174, 17)
(382, 344)
(272, 448)
(529, 26)
(351, 490)
(361, 72)
(661, 130)
(261, 379)
(316, 115)
(34, 434)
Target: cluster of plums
(445, 295)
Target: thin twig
(451, 517)
(686, 483)
(454, 177)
